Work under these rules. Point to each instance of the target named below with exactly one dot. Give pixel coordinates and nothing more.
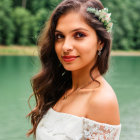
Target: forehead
(72, 20)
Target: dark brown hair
(53, 80)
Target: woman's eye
(79, 35)
(58, 36)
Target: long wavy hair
(53, 80)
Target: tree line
(22, 20)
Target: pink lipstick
(69, 58)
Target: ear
(100, 45)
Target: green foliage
(22, 21)
(126, 30)
(34, 5)
(41, 16)
(21, 26)
(6, 24)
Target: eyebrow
(77, 29)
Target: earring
(99, 52)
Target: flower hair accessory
(104, 17)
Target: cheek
(88, 51)
(88, 48)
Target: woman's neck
(81, 78)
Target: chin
(71, 68)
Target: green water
(15, 74)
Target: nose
(67, 46)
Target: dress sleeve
(100, 131)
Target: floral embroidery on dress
(100, 131)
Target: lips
(68, 58)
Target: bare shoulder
(103, 105)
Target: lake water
(15, 74)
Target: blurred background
(21, 21)
(20, 25)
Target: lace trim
(101, 131)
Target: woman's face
(76, 43)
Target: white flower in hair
(103, 16)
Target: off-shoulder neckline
(93, 121)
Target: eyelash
(75, 35)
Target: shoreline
(18, 51)
(32, 51)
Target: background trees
(6, 23)
(126, 30)
(21, 21)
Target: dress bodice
(62, 126)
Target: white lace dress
(62, 126)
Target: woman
(73, 100)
